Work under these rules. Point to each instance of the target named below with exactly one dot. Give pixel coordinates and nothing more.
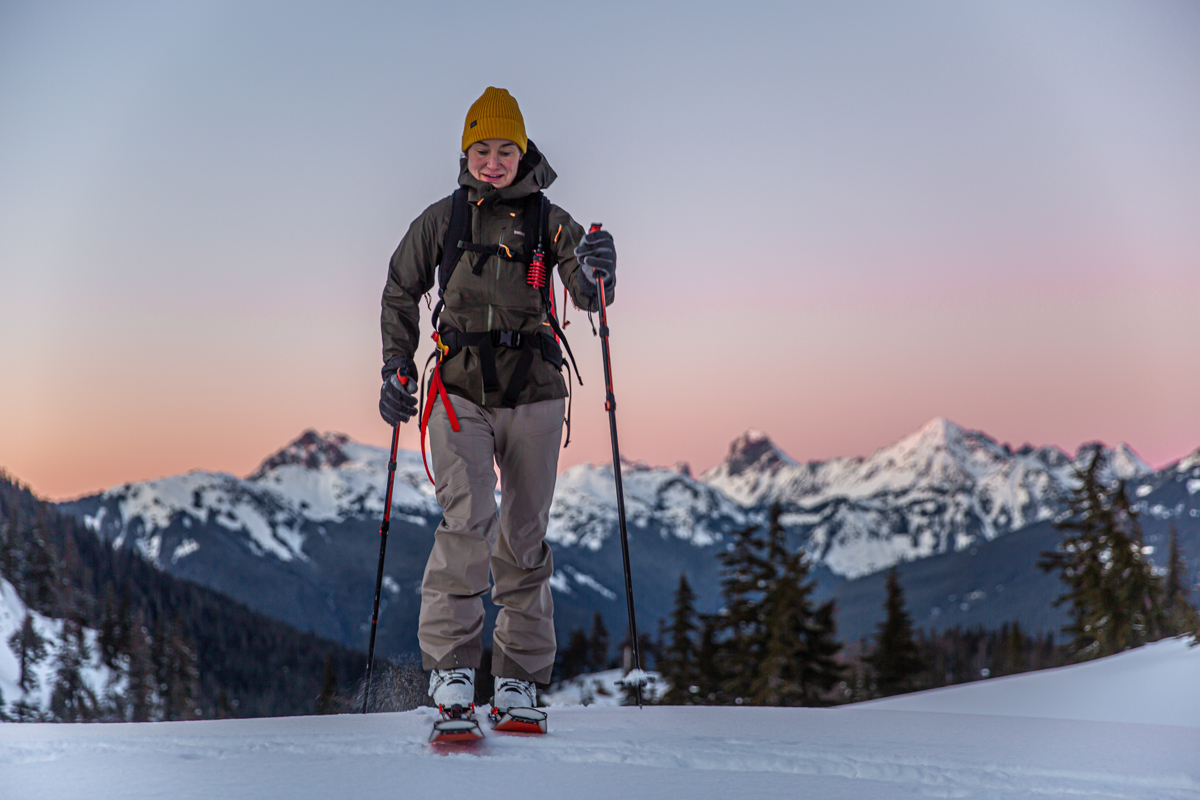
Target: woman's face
(494, 161)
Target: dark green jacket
(497, 299)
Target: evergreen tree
(775, 647)
(822, 669)
(708, 661)
(29, 648)
(1181, 616)
(1114, 595)
(175, 667)
(598, 644)
(748, 574)
(10, 553)
(328, 701)
(1011, 654)
(798, 664)
(40, 581)
(575, 658)
(113, 631)
(680, 664)
(141, 694)
(71, 699)
(895, 659)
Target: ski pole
(610, 405)
(383, 534)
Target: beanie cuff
(496, 128)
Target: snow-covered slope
(585, 506)
(99, 678)
(939, 489)
(685, 753)
(316, 478)
(1158, 684)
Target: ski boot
(513, 709)
(453, 691)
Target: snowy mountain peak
(940, 449)
(754, 451)
(1120, 462)
(938, 489)
(1126, 464)
(311, 450)
(1189, 462)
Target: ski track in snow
(963, 742)
(595, 752)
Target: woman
(497, 396)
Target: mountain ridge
(305, 522)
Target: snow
(974, 741)
(583, 579)
(1155, 684)
(12, 616)
(603, 689)
(271, 506)
(184, 549)
(664, 752)
(941, 489)
(938, 489)
(584, 512)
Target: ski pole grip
(595, 226)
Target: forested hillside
(175, 650)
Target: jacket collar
(534, 174)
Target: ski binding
(457, 724)
(518, 720)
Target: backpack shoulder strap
(457, 232)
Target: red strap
(436, 389)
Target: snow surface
(969, 747)
(1155, 684)
(602, 689)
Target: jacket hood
(534, 174)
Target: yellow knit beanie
(495, 115)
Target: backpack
(450, 341)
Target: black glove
(597, 261)
(396, 397)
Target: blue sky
(857, 216)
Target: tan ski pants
(471, 540)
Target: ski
(457, 725)
(518, 720)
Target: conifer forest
(172, 650)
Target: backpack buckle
(506, 339)
(442, 348)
